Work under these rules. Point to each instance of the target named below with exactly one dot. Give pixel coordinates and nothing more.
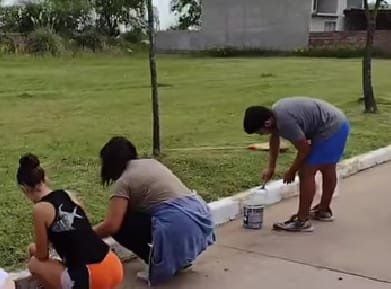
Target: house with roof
(328, 15)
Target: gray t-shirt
(146, 183)
(307, 118)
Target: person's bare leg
(47, 272)
(329, 180)
(307, 191)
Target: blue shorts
(329, 151)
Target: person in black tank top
(71, 233)
(62, 223)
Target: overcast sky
(166, 18)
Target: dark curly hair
(115, 156)
(30, 172)
(255, 118)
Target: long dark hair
(30, 172)
(115, 155)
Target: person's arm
(43, 215)
(274, 146)
(114, 217)
(303, 150)
(292, 131)
(274, 150)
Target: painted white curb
(224, 210)
(228, 209)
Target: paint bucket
(253, 210)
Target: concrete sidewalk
(353, 252)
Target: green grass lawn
(65, 109)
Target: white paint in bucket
(253, 210)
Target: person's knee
(329, 171)
(307, 172)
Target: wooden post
(369, 97)
(154, 83)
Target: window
(314, 5)
(330, 26)
(355, 4)
(326, 6)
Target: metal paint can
(253, 209)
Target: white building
(327, 15)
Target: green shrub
(44, 41)
(7, 45)
(229, 51)
(335, 52)
(338, 52)
(134, 36)
(89, 38)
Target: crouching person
(152, 213)
(86, 261)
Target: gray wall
(263, 24)
(179, 41)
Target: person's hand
(267, 174)
(31, 249)
(289, 176)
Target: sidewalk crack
(335, 270)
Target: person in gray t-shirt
(319, 131)
(152, 213)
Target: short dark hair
(255, 118)
(30, 172)
(115, 156)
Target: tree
(20, 18)
(113, 13)
(369, 97)
(384, 4)
(63, 17)
(189, 12)
(68, 17)
(154, 83)
(8, 20)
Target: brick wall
(383, 40)
(354, 39)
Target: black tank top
(71, 233)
